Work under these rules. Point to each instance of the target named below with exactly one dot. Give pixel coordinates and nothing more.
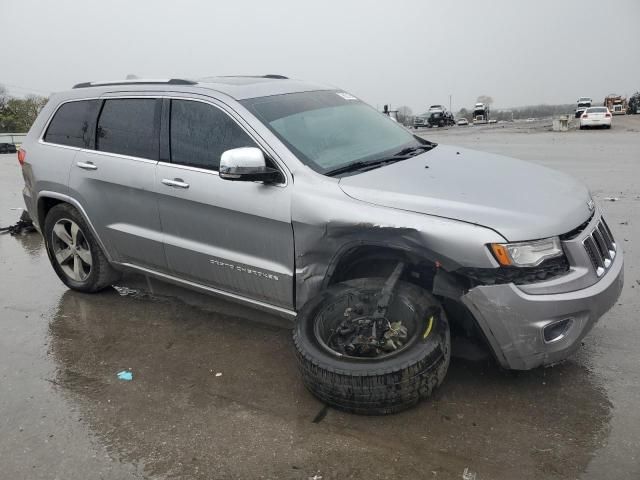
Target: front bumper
(513, 321)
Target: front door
(232, 236)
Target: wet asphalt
(216, 394)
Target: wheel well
(377, 261)
(44, 205)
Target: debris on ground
(24, 225)
(468, 474)
(125, 291)
(219, 374)
(126, 375)
(611, 199)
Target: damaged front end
(520, 311)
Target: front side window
(200, 133)
(71, 123)
(328, 129)
(129, 126)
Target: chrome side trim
(188, 167)
(285, 312)
(57, 145)
(118, 155)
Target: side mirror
(247, 164)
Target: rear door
(228, 235)
(114, 180)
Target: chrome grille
(600, 247)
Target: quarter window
(200, 133)
(72, 123)
(129, 126)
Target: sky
(398, 52)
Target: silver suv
(302, 200)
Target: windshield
(329, 129)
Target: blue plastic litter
(125, 375)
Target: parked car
(583, 104)
(421, 121)
(595, 117)
(7, 148)
(463, 121)
(303, 201)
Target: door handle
(176, 182)
(87, 165)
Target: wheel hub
(367, 336)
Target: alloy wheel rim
(71, 250)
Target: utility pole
(449, 102)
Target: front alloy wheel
(360, 360)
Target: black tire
(101, 274)
(371, 386)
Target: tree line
(18, 114)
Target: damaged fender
(324, 233)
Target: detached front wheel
(356, 359)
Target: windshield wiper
(355, 166)
(414, 149)
(403, 154)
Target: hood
(520, 200)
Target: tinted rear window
(200, 133)
(129, 126)
(597, 110)
(71, 123)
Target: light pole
(449, 102)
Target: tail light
(607, 114)
(22, 155)
(584, 115)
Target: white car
(463, 121)
(595, 117)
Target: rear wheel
(358, 362)
(74, 253)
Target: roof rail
(270, 75)
(137, 81)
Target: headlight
(526, 254)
